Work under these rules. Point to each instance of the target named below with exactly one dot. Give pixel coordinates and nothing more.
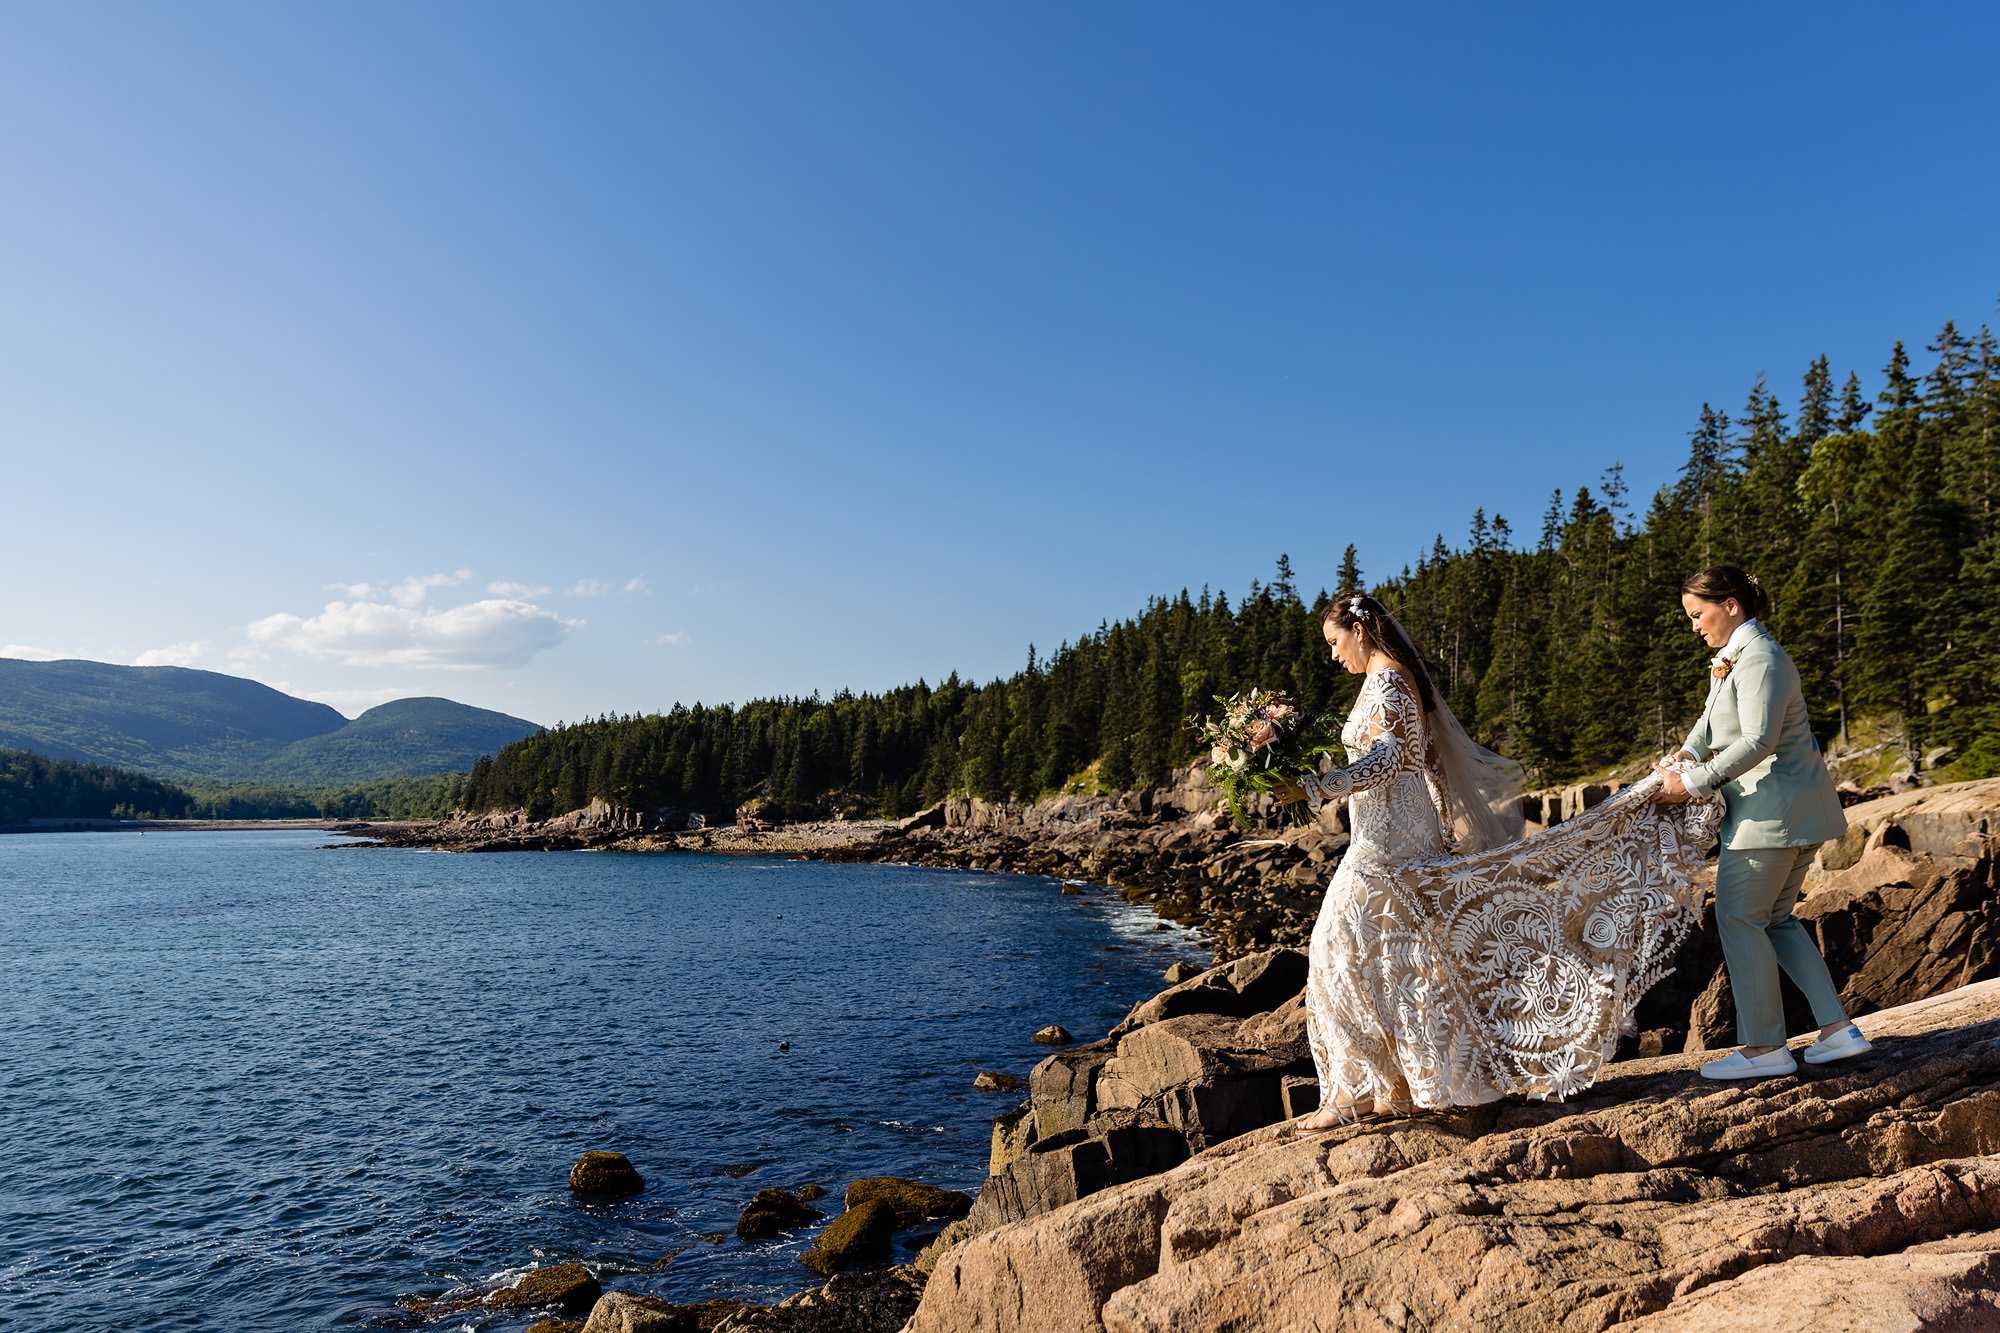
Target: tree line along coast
(36, 787)
(1870, 519)
(1872, 523)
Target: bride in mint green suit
(1753, 747)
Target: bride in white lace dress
(1453, 962)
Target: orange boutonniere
(1721, 669)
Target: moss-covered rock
(605, 1173)
(854, 1238)
(566, 1287)
(912, 1200)
(556, 1326)
(963, 1229)
(807, 1193)
(773, 1211)
(636, 1312)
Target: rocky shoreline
(1896, 902)
(1144, 1184)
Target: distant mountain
(177, 723)
(165, 721)
(407, 737)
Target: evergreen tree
(1876, 529)
(1348, 579)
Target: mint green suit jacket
(1753, 745)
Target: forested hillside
(208, 728)
(1871, 522)
(33, 786)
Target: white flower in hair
(1355, 608)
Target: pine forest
(1870, 518)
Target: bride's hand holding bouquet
(1263, 743)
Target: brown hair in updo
(1719, 583)
(1383, 632)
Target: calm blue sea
(247, 1084)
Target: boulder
(1931, 820)
(771, 1212)
(1012, 1135)
(1180, 972)
(923, 819)
(1115, 1147)
(1280, 1035)
(1627, 1201)
(1194, 1074)
(911, 1200)
(989, 1081)
(1055, 1034)
(963, 1229)
(605, 1173)
(854, 1238)
(566, 1287)
(1060, 1086)
(569, 1288)
(556, 1326)
(1586, 796)
(1250, 985)
(1298, 1095)
(1059, 814)
(810, 1193)
(636, 1312)
(759, 816)
(878, 1302)
(1903, 925)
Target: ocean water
(248, 1084)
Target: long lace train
(1513, 970)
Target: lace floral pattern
(1510, 970)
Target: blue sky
(569, 359)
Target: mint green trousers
(1755, 891)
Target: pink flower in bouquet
(1218, 754)
(1262, 733)
(1276, 711)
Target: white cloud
(174, 654)
(28, 652)
(494, 632)
(410, 592)
(604, 588)
(668, 638)
(506, 589)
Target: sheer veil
(1482, 790)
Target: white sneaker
(1738, 1065)
(1842, 1044)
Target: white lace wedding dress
(1469, 977)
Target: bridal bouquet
(1263, 742)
